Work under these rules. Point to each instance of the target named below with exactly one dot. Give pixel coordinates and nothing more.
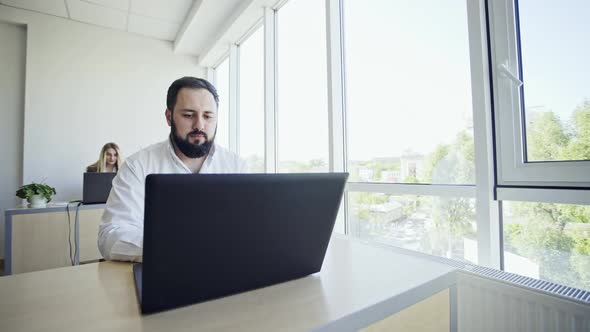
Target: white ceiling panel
(116, 4)
(208, 23)
(95, 14)
(170, 10)
(197, 27)
(51, 7)
(151, 27)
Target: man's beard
(191, 150)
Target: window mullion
(270, 91)
(336, 106)
(487, 209)
(234, 99)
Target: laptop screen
(212, 235)
(96, 187)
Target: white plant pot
(37, 201)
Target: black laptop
(211, 235)
(96, 187)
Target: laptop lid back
(211, 235)
(97, 187)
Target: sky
(251, 99)
(555, 52)
(407, 71)
(408, 79)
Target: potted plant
(37, 194)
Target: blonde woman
(110, 160)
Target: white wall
(12, 85)
(85, 86)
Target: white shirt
(120, 234)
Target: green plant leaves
(31, 189)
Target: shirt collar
(208, 159)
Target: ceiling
(190, 24)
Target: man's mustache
(198, 132)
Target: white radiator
(491, 305)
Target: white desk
(357, 286)
(38, 239)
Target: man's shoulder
(154, 150)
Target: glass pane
(408, 91)
(222, 73)
(251, 101)
(548, 241)
(441, 226)
(302, 87)
(556, 72)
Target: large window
(251, 100)
(409, 120)
(302, 88)
(448, 115)
(408, 92)
(543, 136)
(548, 241)
(556, 76)
(222, 75)
(442, 226)
(542, 104)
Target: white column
(336, 105)
(487, 209)
(234, 118)
(211, 76)
(270, 91)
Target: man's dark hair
(191, 83)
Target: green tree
(412, 204)
(538, 231)
(410, 179)
(368, 198)
(545, 135)
(434, 159)
(453, 219)
(541, 229)
(377, 168)
(452, 163)
(452, 216)
(579, 143)
(318, 163)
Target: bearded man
(191, 112)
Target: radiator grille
(572, 293)
(545, 286)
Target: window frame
(512, 168)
